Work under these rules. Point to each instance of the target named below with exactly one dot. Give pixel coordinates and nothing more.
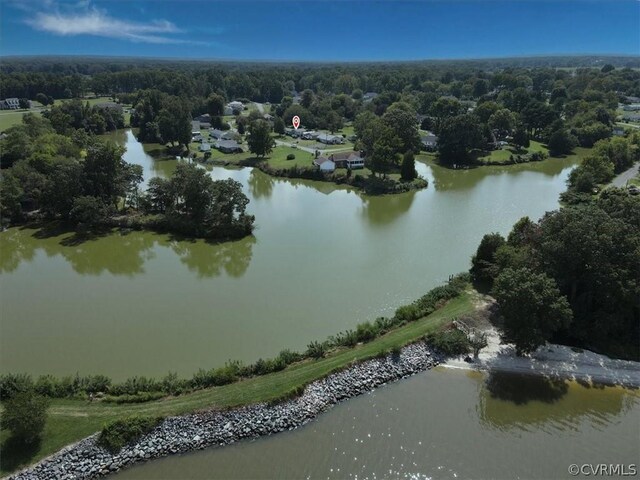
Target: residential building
(429, 142)
(116, 107)
(10, 104)
(228, 146)
(330, 139)
(352, 160)
(325, 164)
(205, 147)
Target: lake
(442, 424)
(322, 259)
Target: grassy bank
(72, 420)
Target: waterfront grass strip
(71, 420)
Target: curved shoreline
(181, 434)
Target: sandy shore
(552, 360)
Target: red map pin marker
(296, 121)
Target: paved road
(621, 180)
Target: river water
(441, 424)
(322, 260)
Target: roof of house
(320, 160)
(227, 144)
(195, 125)
(341, 156)
(429, 138)
(109, 105)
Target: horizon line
(249, 60)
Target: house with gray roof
(329, 139)
(429, 142)
(228, 146)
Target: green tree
(458, 136)
(443, 109)
(401, 117)
(259, 139)
(532, 308)
(174, 121)
(278, 126)
(408, 167)
(307, 98)
(11, 194)
(385, 152)
(561, 142)
(502, 121)
(483, 262)
(25, 415)
(88, 211)
(521, 138)
(215, 105)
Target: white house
(430, 142)
(324, 164)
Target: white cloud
(91, 21)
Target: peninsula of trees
(80, 180)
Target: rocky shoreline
(86, 460)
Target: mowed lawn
(503, 154)
(72, 420)
(9, 118)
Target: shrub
(449, 342)
(316, 349)
(288, 357)
(407, 313)
(291, 156)
(119, 433)
(13, 383)
(365, 332)
(25, 415)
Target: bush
(365, 332)
(449, 342)
(316, 349)
(119, 433)
(14, 383)
(291, 156)
(25, 415)
(288, 357)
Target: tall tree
(408, 167)
(215, 105)
(259, 139)
(402, 118)
(532, 308)
(458, 136)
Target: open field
(9, 118)
(72, 420)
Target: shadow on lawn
(15, 453)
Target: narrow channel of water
(322, 260)
(442, 424)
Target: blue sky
(319, 30)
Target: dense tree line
(607, 158)
(468, 104)
(574, 276)
(74, 114)
(81, 180)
